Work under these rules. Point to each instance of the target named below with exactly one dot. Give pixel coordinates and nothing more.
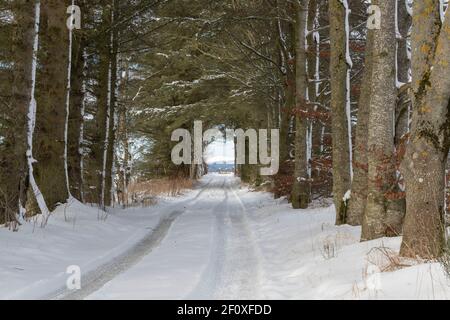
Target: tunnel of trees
(360, 92)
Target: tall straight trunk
(403, 25)
(112, 126)
(339, 104)
(286, 117)
(427, 151)
(13, 177)
(301, 188)
(312, 76)
(49, 144)
(357, 202)
(283, 106)
(289, 95)
(122, 139)
(403, 68)
(381, 166)
(76, 114)
(102, 115)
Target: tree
(49, 142)
(13, 155)
(340, 105)
(380, 143)
(77, 107)
(427, 151)
(301, 188)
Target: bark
(49, 143)
(357, 202)
(381, 166)
(403, 67)
(427, 151)
(339, 120)
(311, 73)
(122, 138)
(289, 98)
(301, 188)
(110, 152)
(77, 100)
(102, 119)
(13, 158)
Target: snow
(349, 61)
(347, 195)
(34, 260)
(409, 8)
(347, 32)
(309, 134)
(398, 35)
(443, 5)
(68, 91)
(224, 241)
(348, 111)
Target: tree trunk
(301, 188)
(427, 151)
(122, 139)
(357, 202)
(339, 104)
(103, 90)
(49, 144)
(76, 114)
(403, 68)
(110, 152)
(13, 158)
(381, 167)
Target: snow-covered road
(209, 252)
(218, 241)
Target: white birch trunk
(32, 119)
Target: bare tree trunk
(313, 76)
(427, 151)
(14, 173)
(122, 139)
(288, 90)
(49, 144)
(110, 152)
(357, 202)
(381, 166)
(339, 118)
(103, 90)
(301, 189)
(403, 69)
(76, 114)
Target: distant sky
(220, 151)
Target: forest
(359, 91)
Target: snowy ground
(220, 241)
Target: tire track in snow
(97, 278)
(210, 276)
(94, 280)
(234, 268)
(242, 278)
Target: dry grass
(145, 193)
(386, 259)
